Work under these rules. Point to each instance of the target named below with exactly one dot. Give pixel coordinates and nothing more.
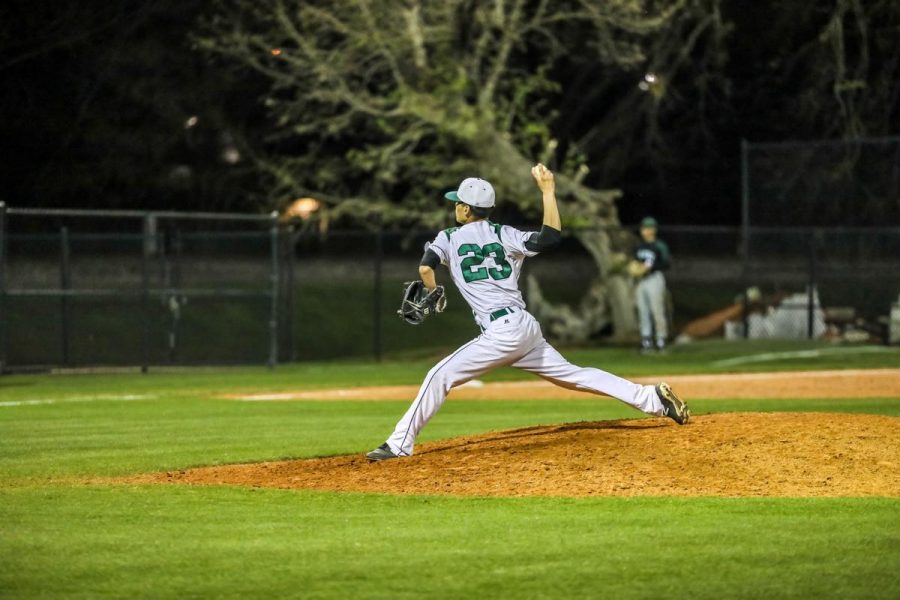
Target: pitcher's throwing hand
(543, 177)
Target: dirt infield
(729, 454)
(874, 383)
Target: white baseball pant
(651, 301)
(514, 339)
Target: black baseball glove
(419, 302)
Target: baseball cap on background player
(474, 192)
(649, 223)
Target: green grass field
(63, 532)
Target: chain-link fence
(133, 288)
(805, 283)
(87, 288)
(822, 183)
(822, 214)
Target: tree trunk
(619, 286)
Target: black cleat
(382, 452)
(673, 406)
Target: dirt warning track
(729, 454)
(869, 383)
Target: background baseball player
(485, 260)
(651, 258)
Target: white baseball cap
(474, 192)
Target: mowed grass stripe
(696, 358)
(230, 542)
(80, 440)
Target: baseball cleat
(673, 407)
(382, 452)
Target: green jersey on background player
(651, 258)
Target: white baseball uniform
(485, 260)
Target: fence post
(146, 248)
(2, 287)
(745, 195)
(65, 283)
(291, 263)
(377, 343)
(173, 299)
(745, 231)
(811, 290)
(275, 279)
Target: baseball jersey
(485, 260)
(654, 254)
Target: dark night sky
(96, 96)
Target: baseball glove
(636, 269)
(419, 302)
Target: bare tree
(392, 99)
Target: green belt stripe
(499, 313)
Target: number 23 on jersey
(475, 255)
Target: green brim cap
(649, 222)
(478, 192)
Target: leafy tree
(376, 105)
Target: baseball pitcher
(484, 260)
(651, 258)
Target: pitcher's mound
(732, 454)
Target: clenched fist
(543, 177)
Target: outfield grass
(79, 439)
(410, 367)
(207, 542)
(63, 532)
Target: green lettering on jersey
(475, 255)
(503, 268)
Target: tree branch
(511, 33)
(375, 32)
(413, 18)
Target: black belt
(500, 313)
